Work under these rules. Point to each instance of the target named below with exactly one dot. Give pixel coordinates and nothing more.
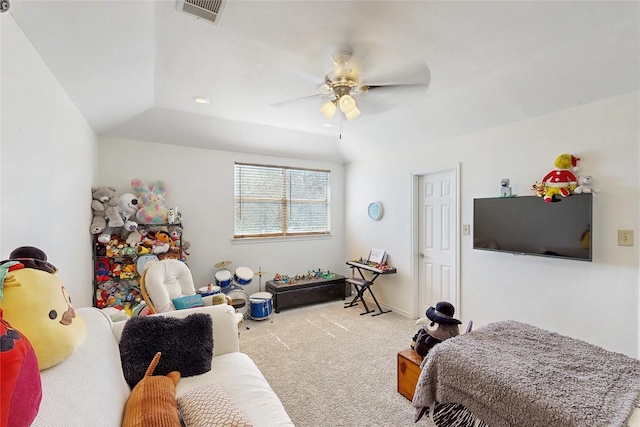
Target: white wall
(596, 301)
(200, 183)
(47, 164)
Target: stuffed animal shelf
(439, 325)
(561, 181)
(35, 302)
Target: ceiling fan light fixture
(347, 104)
(329, 109)
(352, 114)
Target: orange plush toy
(153, 401)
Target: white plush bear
(584, 185)
(127, 207)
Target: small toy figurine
(439, 325)
(505, 190)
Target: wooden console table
(303, 292)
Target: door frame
(415, 227)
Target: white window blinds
(275, 201)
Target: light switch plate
(625, 237)
(466, 229)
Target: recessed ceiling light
(327, 125)
(200, 100)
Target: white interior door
(438, 239)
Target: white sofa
(89, 389)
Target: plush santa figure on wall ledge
(561, 181)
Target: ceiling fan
(346, 91)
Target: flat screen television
(530, 226)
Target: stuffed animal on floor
(35, 302)
(439, 325)
(561, 181)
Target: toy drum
(243, 276)
(209, 290)
(239, 300)
(261, 305)
(223, 278)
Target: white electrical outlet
(625, 237)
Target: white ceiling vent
(203, 9)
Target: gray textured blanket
(513, 374)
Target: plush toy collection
(116, 270)
(133, 227)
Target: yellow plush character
(35, 302)
(561, 181)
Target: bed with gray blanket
(513, 374)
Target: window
(273, 201)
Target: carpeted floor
(332, 367)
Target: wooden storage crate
(408, 372)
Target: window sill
(250, 240)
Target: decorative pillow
(186, 345)
(209, 406)
(187, 301)
(152, 403)
(20, 387)
(36, 303)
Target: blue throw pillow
(187, 301)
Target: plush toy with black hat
(34, 301)
(438, 326)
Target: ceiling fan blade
(398, 72)
(296, 100)
(400, 90)
(375, 105)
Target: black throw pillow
(186, 345)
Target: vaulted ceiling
(134, 67)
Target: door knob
(421, 255)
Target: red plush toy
(20, 387)
(561, 181)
